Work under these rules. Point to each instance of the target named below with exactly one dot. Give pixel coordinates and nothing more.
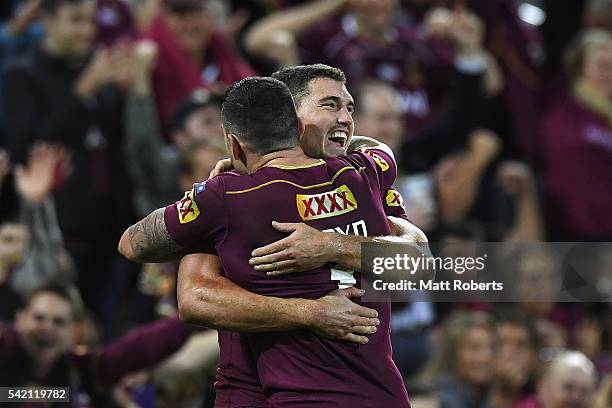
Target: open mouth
(340, 137)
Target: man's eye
(328, 105)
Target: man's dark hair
(51, 6)
(513, 317)
(64, 291)
(261, 113)
(298, 78)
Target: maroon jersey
(232, 215)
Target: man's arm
(205, 297)
(307, 248)
(149, 240)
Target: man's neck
(289, 157)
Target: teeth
(339, 135)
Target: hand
(515, 177)
(108, 66)
(484, 145)
(35, 181)
(5, 165)
(467, 31)
(305, 249)
(335, 316)
(438, 22)
(145, 55)
(27, 13)
(221, 167)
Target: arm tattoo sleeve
(151, 241)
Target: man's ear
(236, 149)
(301, 128)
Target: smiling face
(46, 327)
(475, 356)
(326, 112)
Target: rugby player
(207, 297)
(263, 140)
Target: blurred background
(499, 113)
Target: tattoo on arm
(151, 241)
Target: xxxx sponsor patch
(329, 204)
(394, 198)
(187, 208)
(382, 163)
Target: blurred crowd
(499, 113)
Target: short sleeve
(394, 204)
(198, 221)
(380, 165)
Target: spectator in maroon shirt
(576, 139)
(192, 54)
(39, 349)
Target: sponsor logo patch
(394, 198)
(330, 204)
(199, 187)
(187, 208)
(382, 163)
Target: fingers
(285, 226)
(354, 338)
(272, 248)
(281, 272)
(365, 321)
(264, 263)
(220, 167)
(275, 266)
(349, 292)
(364, 311)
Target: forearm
(294, 21)
(346, 249)
(153, 173)
(140, 348)
(528, 221)
(207, 298)
(149, 241)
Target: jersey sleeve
(198, 221)
(394, 204)
(379, 165)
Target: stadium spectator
(568, 381)
(515, 358)
(153, 165)
(366, 43)
(465, 360)
(61, 92)
(31, 242)
(38, 351)
(192, 54)
(576, 138)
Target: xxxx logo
(382, 163)
(394, 198)
(324, 205)
(187, 208)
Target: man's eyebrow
(336, 99)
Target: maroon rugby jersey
(232, 215)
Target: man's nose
(344, 116)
